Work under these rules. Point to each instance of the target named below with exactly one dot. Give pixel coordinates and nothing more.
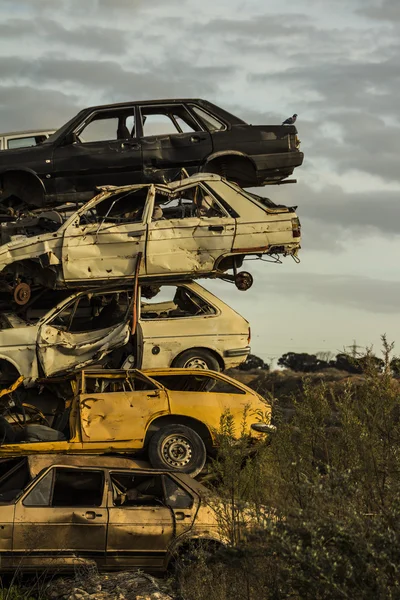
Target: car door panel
(139, 536)
(60, 351)
(120, 416)
(56, 535)
(98, 254)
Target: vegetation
(324, 497)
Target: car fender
(7, 170)
(27, 367)
(223, 153)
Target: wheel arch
(198, 426)
(25, 180)
(212, 351)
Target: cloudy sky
(336, 63)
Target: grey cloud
(25, 107)
(174, 77)
(363, 293)
(104, 40)
(388, 10)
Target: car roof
(27, 131)
(38, 462)
(171, 184)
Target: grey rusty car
(58, 512)
(147, 141)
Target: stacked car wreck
(106, 339)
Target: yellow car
(171, 414)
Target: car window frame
(94, 374)
(53, 470)
(207, 190)
(77, 130)
(174, 122)
(75, 301)
(217, 312)
(225, 124)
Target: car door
(61, 519)
(84, 330)
(118, 408)
(104, 240)
(101, 151)
(172, 139)
(142, 525)
(190, 234)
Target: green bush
(325, 495)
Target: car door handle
(216, 228)
(133, 145)
(135, 233)
(195, 139)
(180, 516)
(90, 515)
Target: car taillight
(296, 227)
(249, 336)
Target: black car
(142, 142)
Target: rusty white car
(201, 226)
(61, 512)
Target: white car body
(102, 240)
(168, 331)
(23, 139)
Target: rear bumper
(274, 167)
(235, 352)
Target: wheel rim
(177, 451)
(196, 363)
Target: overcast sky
(336, 63)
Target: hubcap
(177, 451)
(196, 363)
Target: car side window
(210, 121)
(107, 126)
(127, 382)
(172, 302)
(92, 312)
(167, 120)
(197, 383)
(194, 201)
(118, 209)
(68, 487)
(176, 496)
(137, 490)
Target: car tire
(179, 448)
(197, 358)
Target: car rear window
(260, 201)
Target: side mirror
(70, 138)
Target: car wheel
(197, 359)
(177, 447)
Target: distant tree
(253, 362)
(356, 365)
(306, 363)
(395, 366)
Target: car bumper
(235, 352)
(263, 428)
(274, 167)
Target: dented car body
(141, 142)
(171, 414)
(59, 512)
(199, 227)
(77, 331)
